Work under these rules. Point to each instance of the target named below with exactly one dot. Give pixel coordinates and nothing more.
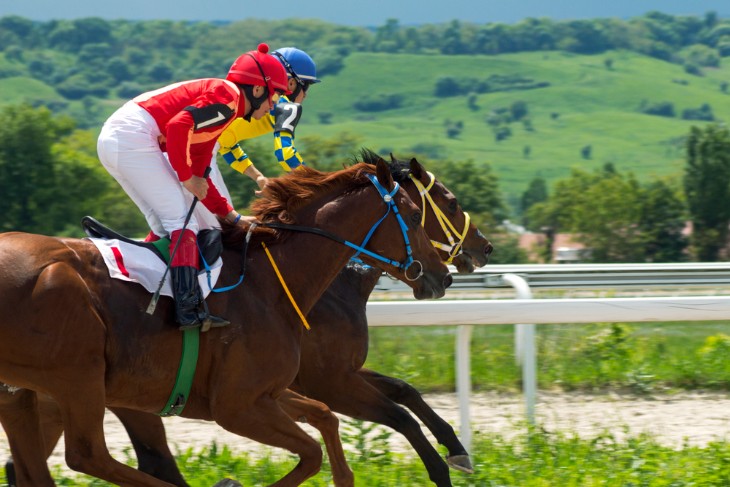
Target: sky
(364, 13)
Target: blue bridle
(387, 198)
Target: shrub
(702, 113)
(10, 72)
(701, 55)
(129, 89)
(447, 86)
(378, 103)
(518, 110)
(325, 118)
(661, 109)
(471, 102)
(453, 129)
(78, 86)
(502, 132)
(690, 68)
(586, 152)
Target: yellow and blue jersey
(281, 120)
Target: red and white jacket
(191, 115)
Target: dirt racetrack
(695, 418)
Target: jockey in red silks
(185, 120)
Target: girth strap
(185, 373)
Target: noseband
(454, 246)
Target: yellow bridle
(454, 246)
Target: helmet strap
(254, 103)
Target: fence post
(463, 382)
(525, 352)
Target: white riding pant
(128, 148)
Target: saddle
(210, 243)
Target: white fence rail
(546, 311)
(526, 312)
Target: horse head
(426, 284)
(456, 238)
(450, 227)
(366, 210)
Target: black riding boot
(188, 301)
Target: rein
(388, 199)
(454, 246)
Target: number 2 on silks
(287, 117)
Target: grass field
(597, 106)
(640, 358)
(535, 459)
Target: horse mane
(398, 168)
(283, 196)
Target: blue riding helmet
(298, 64)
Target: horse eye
(416, 218)
(453, 206)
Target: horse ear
(384, 176)
(417, 169)
(285, 217)
(392, 158)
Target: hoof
(227, 483)
(460, 463)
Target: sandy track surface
(693, 418)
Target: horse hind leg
(82, 410)
(20, 420)
(323, 419)
(266, 422)
(403, 393)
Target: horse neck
(312, 262)
(308, 264)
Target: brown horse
(85, 340)
(339, 322)
(347, 387)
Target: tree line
(93, 57)
(664, 220)
(47, 188)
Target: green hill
(584, 102)
(595, 106)
(20, 88)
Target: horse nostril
(448, 280)
(488, 249)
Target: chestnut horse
(340, 381)
(86, 341)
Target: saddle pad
(136, 264)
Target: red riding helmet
(258, 68)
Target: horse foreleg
(20, 420)
(266, 422)
(318, 415)
(147, 433)
(349, 393)
(403, 393)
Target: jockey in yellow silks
(281, 121)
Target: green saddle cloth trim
(163, 245)
(185, 373)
